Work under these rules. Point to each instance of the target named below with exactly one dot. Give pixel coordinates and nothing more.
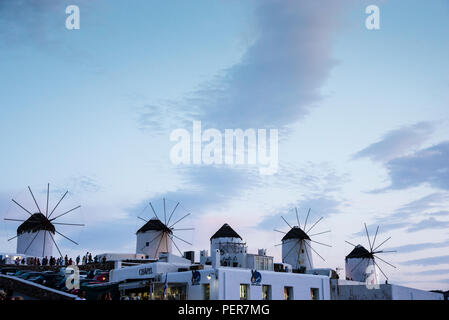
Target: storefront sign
(145, 271)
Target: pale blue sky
(91, 110)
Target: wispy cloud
(405, 216)
(429, 202)
(37, 22)
(279, 77)
(439, 213)
(420, 246)
(428, 261)
(321, 206)
(431, 272)
(76, 185)
(40, 24)
(27, 21)
(400, 218)
(276, 83)
(407, 165)
(427, 166)
(208, 187)
(430, 223)
(398, 142)
(384, 227)
(161, 118)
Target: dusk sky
(362, 115)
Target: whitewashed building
(231, 273)
(183, 280)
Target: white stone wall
(230, 280)
(405, 293)
(225, 282)
(299, 253)
(344, 291)
(39, 247)
(155, 247)
(227, 286)
(362, 270)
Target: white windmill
(296, 244)
(155, 236)
(229, 245)
(35, 234)
(360, 263)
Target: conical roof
(226, 232)
(359, 252)
(296, 233)
(154, 224)
(35, 223)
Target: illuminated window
(315, 293)
(206, 291)
(266, 292)
(244, 292)
(288, 293)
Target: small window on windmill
(302, 250)
(147, 244)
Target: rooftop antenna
(43, 222)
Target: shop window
(315, 293)
(288, 293)
(266, 292)
(206, 291)
(244, 292)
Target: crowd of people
(61, 261)
(86, 259)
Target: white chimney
(216, 259)
(203, 256)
